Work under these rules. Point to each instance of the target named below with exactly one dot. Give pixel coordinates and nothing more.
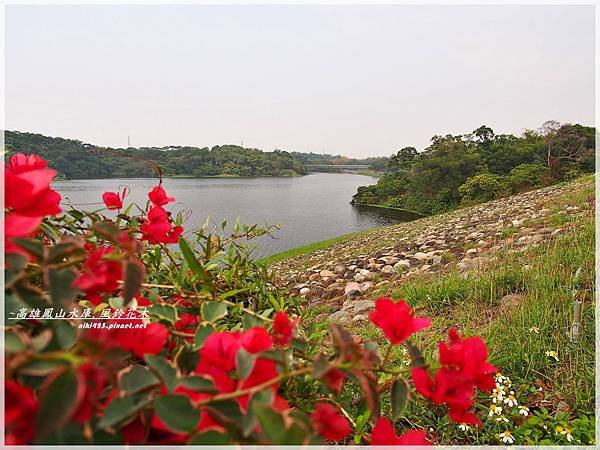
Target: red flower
(158, 196)
(100, 274)
(384, 434)
(134, 432)
(16, 226)
(158, 229)
(140, 341)
(396, 320)
(27, 196)
(219, 352)
(283, 329)
(464, 367)
(329, 423)
(334, 380)
(114, 200)
(27, 182)
(256, 340)
(20, 409)
(94, 380)
(469, 356)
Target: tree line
(75, 159)
(481, 166)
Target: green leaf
(164, 311)
(60, 251)
(199, 384)
(244, 363)
(368, 385)
(134, 276)
(371, 346)
(213, 311)
(134, 379)
(13, 343)
(299, 344)
(12, 305)
(399, 396)
(31, 296)
(41, 367)
(121, 409)
(416, 357)
(107, 230)
(201, 334)
(166, 372)
(190, 258)
(232, 293)
(177, 413)
(61, 286)
(36, 248)
(226, 412)
(209, 438)
(250, 321)
(64, 334)
(249, 421)
(41, 340)
(58, 401)
(15, 268)
(273, 426)
(320, 366)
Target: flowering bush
(120, 330)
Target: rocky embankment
(344, 275)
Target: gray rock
(388, 270)
(402, 265)
(352, 290)
(364, 287)
(360, 306)
(339, 269)
(420, 256)
(359, 277)
(389, 260)
(339, 316)
(471, 253)
(360, 318)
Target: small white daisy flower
(500, 378)
(535, 330)
(495, 410)
(524, 410)
(568, 434)
(502, 419)
(506, 437)
(464, 427)
(510, 400)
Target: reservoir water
(311, 208)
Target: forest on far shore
(481, 166)
(75, 159)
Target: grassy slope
(544, 279)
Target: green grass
(308, 248)
(543, 277)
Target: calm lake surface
(309, 209)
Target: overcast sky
(355, 80)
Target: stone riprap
(344, 275)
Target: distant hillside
(480, 166)
(75, 159)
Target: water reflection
(310, 208)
